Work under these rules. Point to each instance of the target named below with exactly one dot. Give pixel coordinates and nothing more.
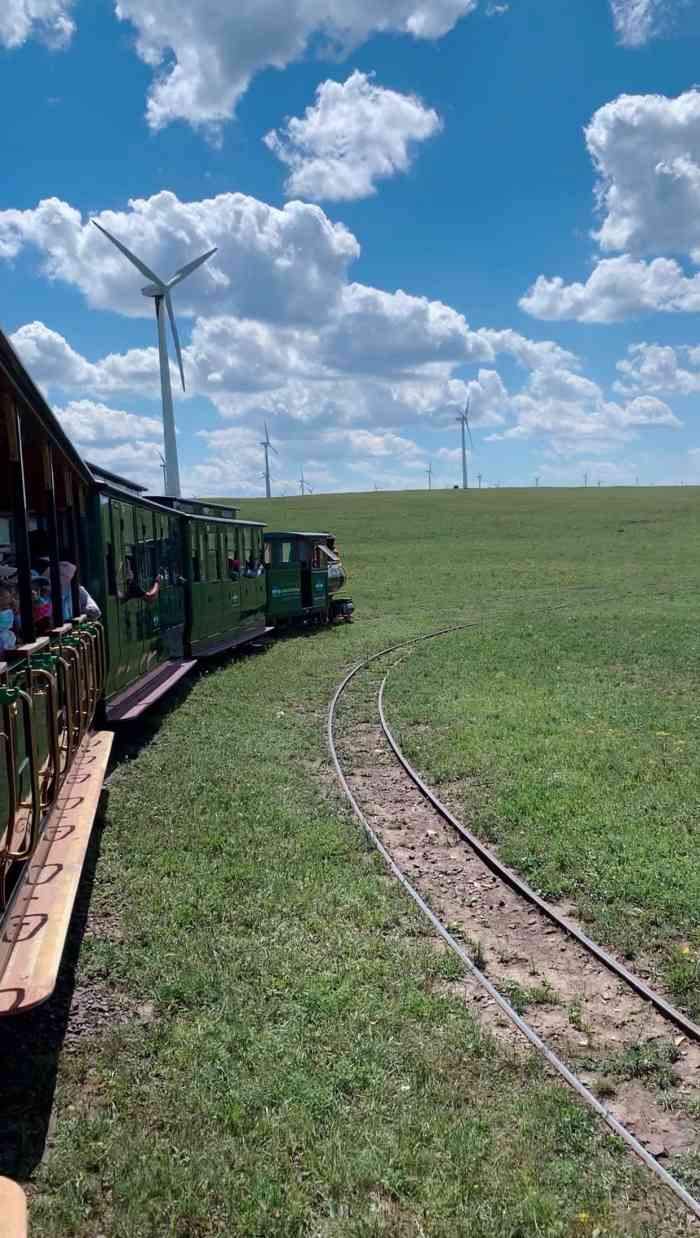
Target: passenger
(234, 566)
(8, 607)
(66, 573)
(88, 606)
(41, 598)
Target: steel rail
(521, 887)
(693, 1205)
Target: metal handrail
(41, 671)
(10, 698)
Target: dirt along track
(643, 1068)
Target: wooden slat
(13, 1210)
(145, 692)
(36, 925)
(219, 644)
(27, 651)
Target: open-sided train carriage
(225, 574)
(52, 671)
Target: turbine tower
(463, 420)
(429, 475)
(267, 447)
(304, 486)
(160, 291)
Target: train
(114, 596)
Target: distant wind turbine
(267, 447)
(429, 475)
(463, 420)
(160, 291)
(304, 486)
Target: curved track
(523, 890)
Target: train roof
(200, 507)
(123, 482)
(15, 378)
(128, 494)
(293, 533)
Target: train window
(268, 553)
(316, 560)
(288, 555)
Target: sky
(416, 205)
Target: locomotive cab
(304, 574)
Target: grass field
(303, 1071)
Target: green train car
(171, 580)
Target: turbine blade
(140, 266)
(273, 449)
(466, 416)
(173, 328)
(183, 272)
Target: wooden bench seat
(37, 920)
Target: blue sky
(419, 228)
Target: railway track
(586, 1011)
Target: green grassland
(573, 738)
(306, 1072)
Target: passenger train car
(108, 597)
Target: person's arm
(88, 605)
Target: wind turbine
(429, 475)
(267, 446)
(463, 420)
(160, 291)
(304, 486)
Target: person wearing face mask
(8, 640)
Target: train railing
(49, 693)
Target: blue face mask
(7, 618)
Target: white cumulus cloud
(572, 415)
(376, 331)
(48, 20)
(54, 364)
(659, 368)
(88, 421)
(646, 152)
(355, 134)
(279, 265)
(205, 55)
(617, 288)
